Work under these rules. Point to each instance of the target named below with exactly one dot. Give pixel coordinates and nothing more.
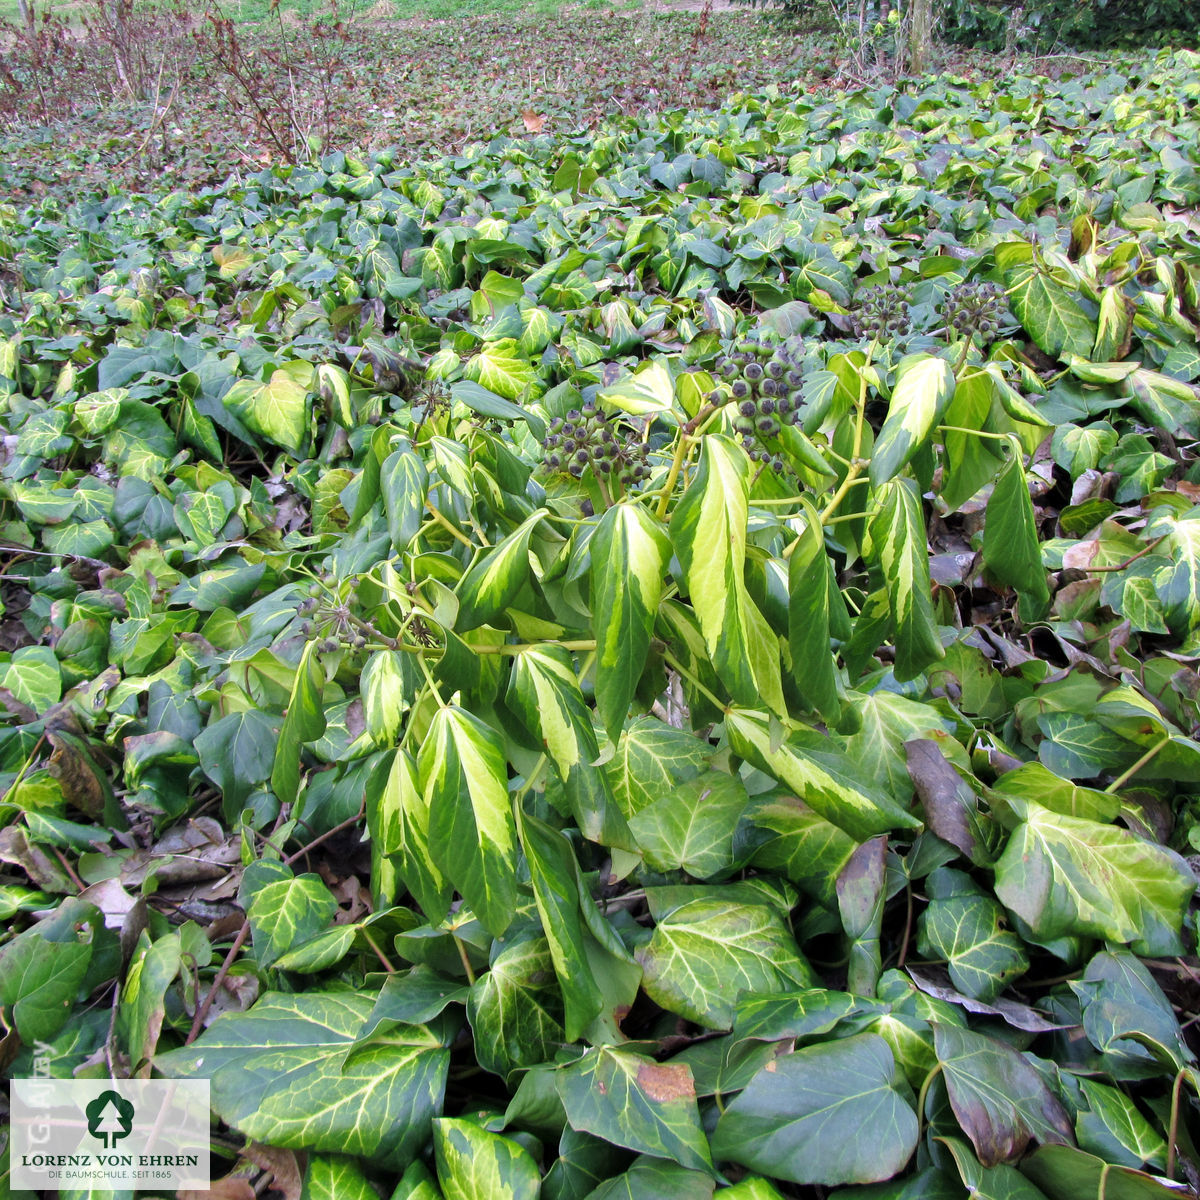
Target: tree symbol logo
(109, 1118)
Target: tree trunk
(920, 34)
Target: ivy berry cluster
(589, 437)
(975, 308)
(764, 381)
(883, 313)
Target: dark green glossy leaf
(801, 1118)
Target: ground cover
(740, 568)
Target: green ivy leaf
(636, 1102)
(1011, 553)
(280, 1074)
(963, 926)
(40, 981)
(1066, 876)
(692, 828)
(304, 722)
(143, 999)
(404, 484)
(335, 1178)
(34, 678)
(813, 669)
(793, 1120)
(703, 952)
(1049, 312)
(998, 1098)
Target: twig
(211, 994)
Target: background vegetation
(628, 636)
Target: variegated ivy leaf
(544, 691)
(1070, 877)
(398, 821)
(286, 912)
(923, 388)
(472, 837)
(650, 390)
(819, 772)
(473, 1163)
(708, 531)
(277, 409)
(633, 1101)
(963, 926)
(493, 583)
(501, 368)
(629, 553)
(281, 1075)
(703, 952)
(900, 549)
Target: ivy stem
(387, 966)
(521, 647)
(466, 962)
(1125, 776)
(664, 497)
(908, 921)
(433, 687)
(446, 524)
(675, 664)
(530, 781)
(1173, 1128)
(25, 766)
(856, 462)
(1132, 558)
(604, 495)
(367, 628)
(921, 1097)
(981, 433)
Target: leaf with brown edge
(950, 807)
(997, 1096)
(632, 1101)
